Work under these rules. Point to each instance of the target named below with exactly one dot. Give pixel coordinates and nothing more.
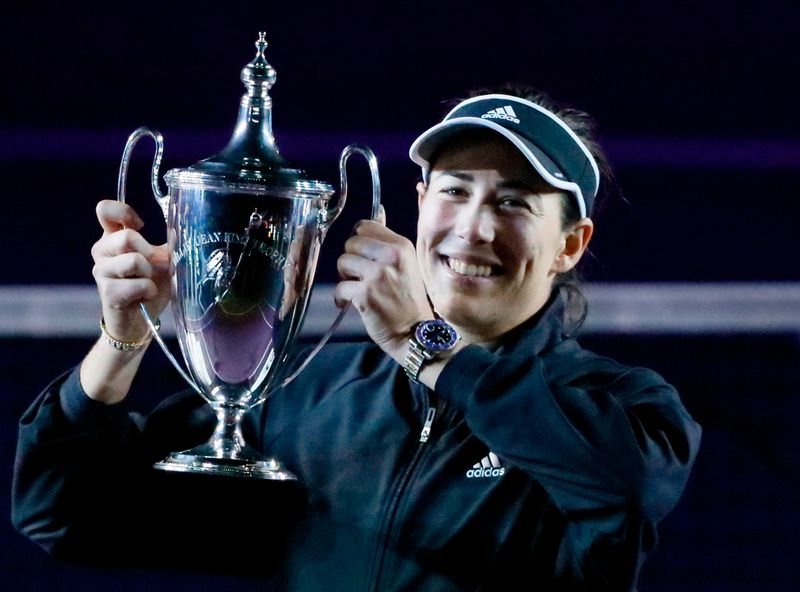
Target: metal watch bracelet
(415, 357)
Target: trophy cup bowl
(244, 232)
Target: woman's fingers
(122, 293)
(114, 215)
(381, 219)
(126, 265)
(120, 242)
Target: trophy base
(204, 460)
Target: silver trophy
(244, 232)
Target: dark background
(695, 103)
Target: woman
(473, 445)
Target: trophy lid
(251, 160)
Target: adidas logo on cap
(489, 466)
(506, 113)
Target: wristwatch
(430, 338)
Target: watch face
(436, 335)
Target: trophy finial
(251, 153)
(258, 76)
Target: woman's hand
(380, 276)
(128, 270)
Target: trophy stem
(226, 452)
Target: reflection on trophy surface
(244, 231)
(233, 309)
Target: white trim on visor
(471, 123)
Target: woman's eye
(513, 203)
(453, 191)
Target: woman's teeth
(469, 269)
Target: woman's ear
(575, 241)
(421, 189)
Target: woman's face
(490, 238)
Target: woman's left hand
(380, 276)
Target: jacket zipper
(392, 506)
(426, 429)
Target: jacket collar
(542, 331)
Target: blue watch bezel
(430, 345)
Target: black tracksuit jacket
(546, 467)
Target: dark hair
(584, 127)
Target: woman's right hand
(128, 270)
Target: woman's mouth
(469, 269)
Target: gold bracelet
(127, 345)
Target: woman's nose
(475, 224)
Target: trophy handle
(122, 179)
(327, 219)
(163, 201)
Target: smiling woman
(470, 444)
(490, 237)
(561, 155)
